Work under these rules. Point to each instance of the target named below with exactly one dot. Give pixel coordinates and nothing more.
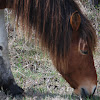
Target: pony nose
(86, 93)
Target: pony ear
(75, 20)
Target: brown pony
(67, 35)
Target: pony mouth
(84, 93)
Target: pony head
(77, 67)
(67, 35)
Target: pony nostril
(94, 89)
(84, 93)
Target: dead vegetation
(33, 70)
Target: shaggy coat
(61, 36)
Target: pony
(68, 36)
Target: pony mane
(51, 21)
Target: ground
(33, 70)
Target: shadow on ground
(31, 94)
(36, 95)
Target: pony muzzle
(85, 92)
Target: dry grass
(34, 71)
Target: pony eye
(84, 52)
(83, 47)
